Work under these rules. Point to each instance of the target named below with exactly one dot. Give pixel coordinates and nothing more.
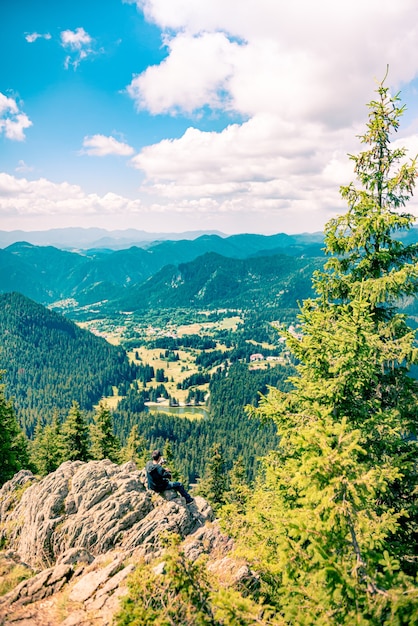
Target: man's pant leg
(180, 489)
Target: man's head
(156, 455)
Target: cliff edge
(73, 537)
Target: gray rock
(96, 507)
(88, 585)
(41, 586)
(208, 539)
(80, 531)
(75, 555)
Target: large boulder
(74, 537)
(96, 506)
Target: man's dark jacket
(158, 477)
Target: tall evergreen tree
(214, 482)
(104, 443)
(75, 434)
(171, 463)
(136, 448)
(13, 444)
(239, 489)
(334, 520)
(47, 447)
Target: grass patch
(11, 574)
(175, 371)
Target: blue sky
(174, 115)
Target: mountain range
(213, 280)
(48, 274)
(207, 270)
(83, 238)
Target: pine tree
(214, 482)
(13, 443)
(75, 433)
(239, 489)
(47, 447)
(171, 464)
(333, 522)
(136, 448)
(104, 443)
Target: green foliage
(47, 447)
(104, 443)
(180, 593)
(13, 443)
(75, 433)
(214, 482)
(332, 524)
(135, 449)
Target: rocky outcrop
(97, 506)
(77, 590)
(77, 534)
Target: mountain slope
(48, 274)
(214, 280)
(49, 361)
(17, 273)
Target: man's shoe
(190, 500)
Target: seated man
(159, 477)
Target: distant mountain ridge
(47, 274)
(213, 280)
(84, 238)
(233, 270)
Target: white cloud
(32, 37)
(43, 203)
(264, 166)
(195, 74)
(75, 39)
(298, 59)
(298, 72)
(13, 122)
(7, 105)
(100, 145)
(79, 44)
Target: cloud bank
(286, 84)
(299, 74)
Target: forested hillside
(227, 426)
(49, 361)
(216, 281)
(49, 275)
